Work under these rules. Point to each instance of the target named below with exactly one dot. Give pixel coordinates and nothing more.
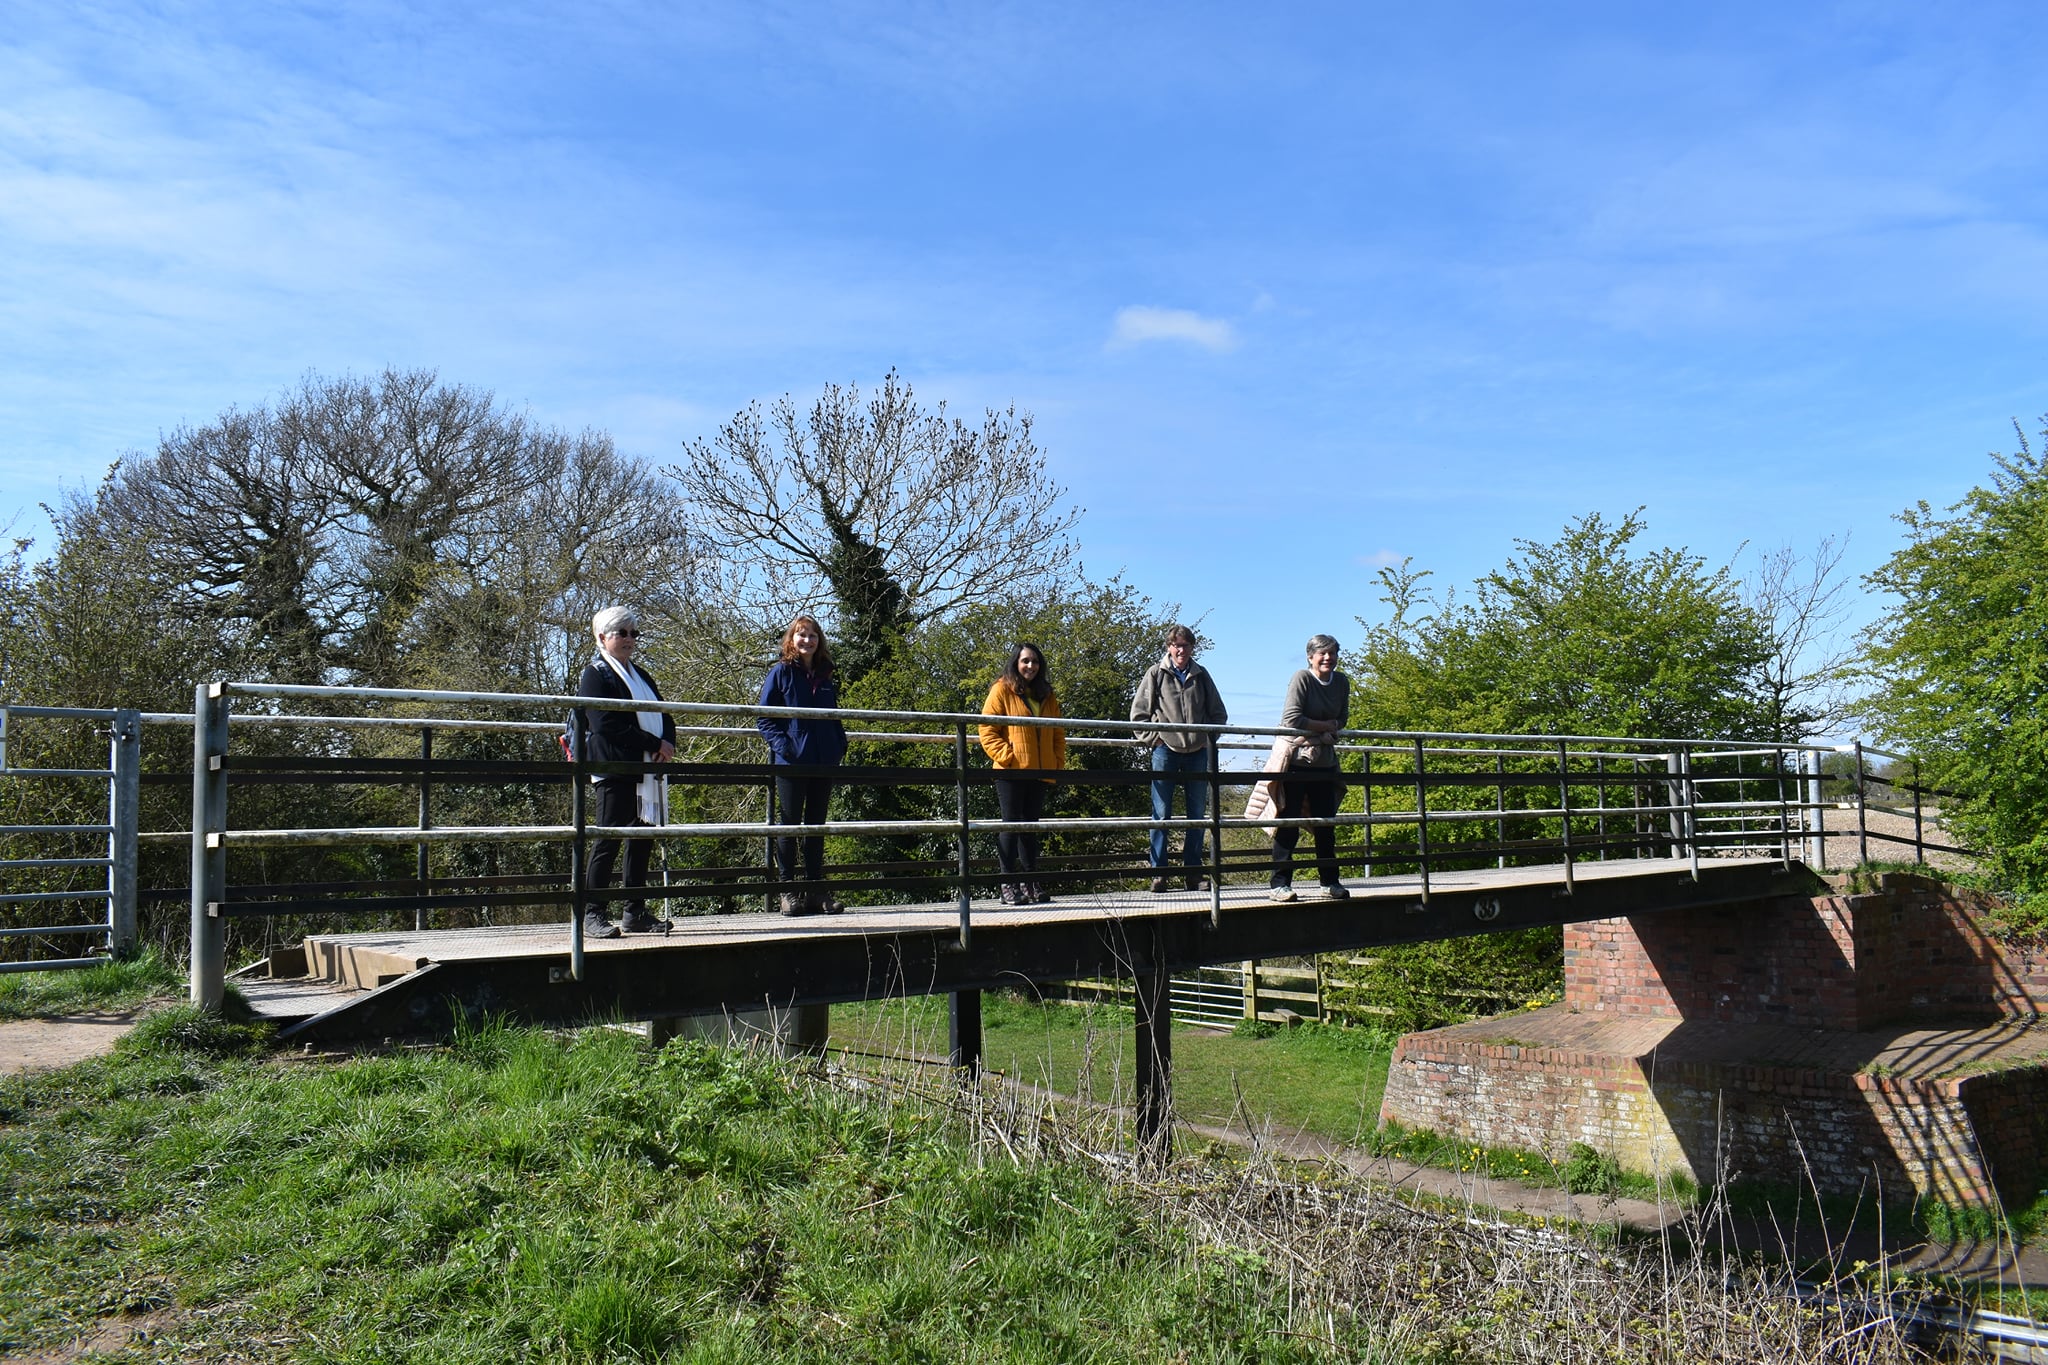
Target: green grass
(110, 987)
(520, 1196)
(1319, 1080)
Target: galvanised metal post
(960, 803)
(1421, 822)
(1675, 815)
(1367, 785)
(1919, 841)
(1784, 823)
(124, 810)
(1500, 806)
(1600, 802)
(1862, 816)
(1216, 831)
(419, 914)
(579, 847)
(1564, 791)
(1816, 792)
(1692, 824)
(209, 845)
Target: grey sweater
(1165, 699)
(1308, 700)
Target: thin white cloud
(1380, 559)
(1137, 325)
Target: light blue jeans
(1165, 760)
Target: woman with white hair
(623, 799)
(1318, 702)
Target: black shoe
(1039, 895)
(597, 924)
(1013, 896)
(1198, 883)
(641, 922)
(822, 904)
(1158, 885)
(793, 904)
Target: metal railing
(113, 931)
(1558, 800)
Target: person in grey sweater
(1318, 701)
(1178, 691)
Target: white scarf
(651, 794)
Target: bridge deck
(398, 982)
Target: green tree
(1587, 634)
(1958, 665)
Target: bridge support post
(963, 1034)
(1155, 1066)
(209, 849)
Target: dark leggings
(1310, 797)
(802, 800)
(1020, 800)
(618, 805)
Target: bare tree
(1800, 686)
(894, 514)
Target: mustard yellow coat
(1022, 746)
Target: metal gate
(113, 931)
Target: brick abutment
(1884, 1044)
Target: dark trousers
(618, 804)
(1021, 800)
(1306, 797)
(801, 799)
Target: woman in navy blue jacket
(810, 749)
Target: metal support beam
(1155, 1065)
(963, 1030)
(124, 815)
(209, 850)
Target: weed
(110, 986)
(1586, 1171)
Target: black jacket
(616, 736)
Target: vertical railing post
(1784, 822)
(1673, 804)
(124, 811)
(1692, 823)
(419, 913)
(1816, 795)
(209, 843)
(1421, 822)
(1600, 802)
(1366, 785)
(960, 805)
(1500, 809)
(768, 899)
(1862, 814)
(1919, 837)
(1564, 792)
(579, 846)
(1216, 831)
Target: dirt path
(44, 1044)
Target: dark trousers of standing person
(618, 805)
(1017, 854)
(802, 798)
(1310, 797)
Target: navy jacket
(817, 743)
(616, 736)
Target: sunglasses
(629, 634)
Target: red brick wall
(1913, 951)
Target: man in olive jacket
(1178, 691)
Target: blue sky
(1290, 294)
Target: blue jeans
(1165, 760)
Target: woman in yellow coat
(1023, 690)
